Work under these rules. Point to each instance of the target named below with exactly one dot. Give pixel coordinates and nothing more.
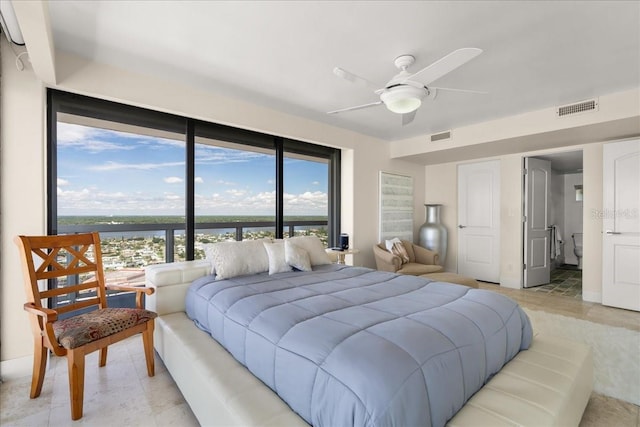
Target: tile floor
(121, 393)
(565, 281)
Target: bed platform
(547, 385)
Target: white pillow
(208, 255)
(389, 243)
(231, 259)
(277, 261)
(296, 257)
(314, 247)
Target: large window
(158, 186)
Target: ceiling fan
(402, 94)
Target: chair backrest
(72, 264)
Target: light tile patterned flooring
(121, 393)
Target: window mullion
(190, 191)
(279, 187)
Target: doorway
(553, 224)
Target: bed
(274, 371)
(353, 346)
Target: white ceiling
(281, 54)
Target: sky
(104, 172)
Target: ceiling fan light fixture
(403, 99)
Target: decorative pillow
(231, 259)
(314, 247)
(277, 261)
(389, 243)
(296, 257)
(399, 250)
(208, 255)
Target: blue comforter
(349, 346)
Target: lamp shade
(403, 99)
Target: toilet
(577, 248)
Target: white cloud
(198, 180)
(96, 201)
(212, 155)
(96, 140)
(315, 183)
(236, 202)
(62, 182)
(173, 180)
(236, 193)
(111, 166)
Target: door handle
(613, 232)
(462, 226)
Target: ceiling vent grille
(440, 136)
(577, 108)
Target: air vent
(440, 136)
(577, 108)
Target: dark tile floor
(566, 280)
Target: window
(158, 186)
(234, 184)
(306, 196)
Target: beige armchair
(421, 260)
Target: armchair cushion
(84, 328)
(415, 269)
(421, 260)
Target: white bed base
(547, 385)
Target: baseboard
(510, 283)
(16, 368)
(592, 296)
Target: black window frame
(65, 102)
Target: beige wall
(22, 201)
(441, 188)
(23, 164)
(592, 224)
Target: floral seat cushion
(84, 328)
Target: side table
(341, 253)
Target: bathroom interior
(565, 218)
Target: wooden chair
(54, 259)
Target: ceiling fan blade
(354, 78)
(480, 92)
(445, 65)
(408, 117)
(357, 107)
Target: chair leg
(39, 366)
(147, 341)
(75, 361)
(103, 356)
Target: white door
(479, 220)
(537, 231)
(621, 225)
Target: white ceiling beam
(35, 24)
